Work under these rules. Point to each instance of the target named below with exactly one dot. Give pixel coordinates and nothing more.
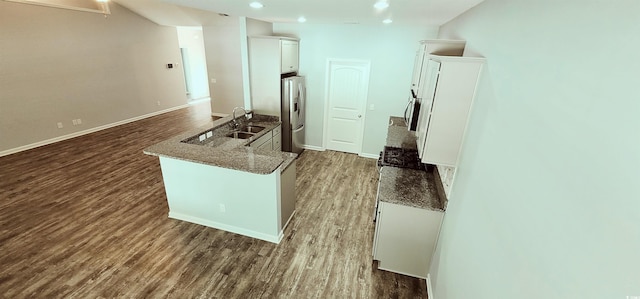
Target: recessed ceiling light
(302, 19)
(256, 4)
(380, 5)
(387, 21)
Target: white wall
(546, 202)
(391, 50)
(224, 64)
(192, 40)
(252, 27)
(227, 60)
(57, 65)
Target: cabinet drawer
(267, 145)
(260, 141)
(277, 142)
(277, 130)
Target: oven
(401, 158)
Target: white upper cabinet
(436, 47)
(450, 86)
(288, 56)
(268, 55)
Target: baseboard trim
(429, 290)
(289, 220)
(370, 156)
(314, 148)
(199, 100)
(216, 114)
(281, 234)
(226, 227)
(85, 132)
(399, 272)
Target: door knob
(359, 115)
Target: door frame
(363, 106)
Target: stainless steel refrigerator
(292, 114)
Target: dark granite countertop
(219, 150)
(409, 187)
(399, 136)
(397, 121)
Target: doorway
(346, 89)
(194, 62)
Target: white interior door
(347, 87)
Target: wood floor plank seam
(88, 218)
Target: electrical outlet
(60, 126)
(74, 121)
(209, 134)
(158, 103)
(214, 80)
(79, 121)
(222, 208)
(202, 137)
(372, 107)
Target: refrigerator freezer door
(294, 108)
(301, 101)
(285, 115)
(297, 140)
(292, 114)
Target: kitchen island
(223, 182)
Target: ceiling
(401, 12)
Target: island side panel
(231, 200)
(287, 192)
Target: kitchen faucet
(234, 123)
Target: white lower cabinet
(270, 141)
(405, 238)
(277, 138)
(267, 145)
(277, 142)
(262, 142)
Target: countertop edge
(267, 161)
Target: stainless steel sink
(252, 129)
(240, 135)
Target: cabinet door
(418, 65)
(456, 86)
(258, 143)
(427, 95)
(405, 238)
(289, 56)
(267, 145)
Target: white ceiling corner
(201, 12)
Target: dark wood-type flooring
(87, 218)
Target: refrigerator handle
(298, 129)
(301, 100)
